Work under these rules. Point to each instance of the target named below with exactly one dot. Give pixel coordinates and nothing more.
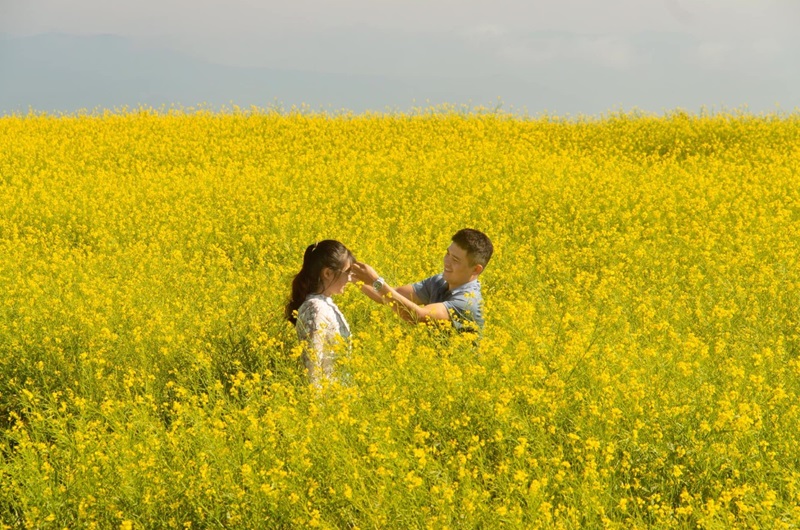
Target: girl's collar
(318, 295)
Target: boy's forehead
(457, 251)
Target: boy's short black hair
(478, 246)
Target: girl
(319, 323)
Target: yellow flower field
(640, 366)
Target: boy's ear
(477, 269)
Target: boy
(454, 294)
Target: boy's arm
(402, 300)
(410, 311)
(408, 292)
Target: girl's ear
(327, 274)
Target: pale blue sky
(567, 56)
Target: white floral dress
(324, 330)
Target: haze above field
(568, 57)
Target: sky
(570, 56)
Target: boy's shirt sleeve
(424, 289)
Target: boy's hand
(364, 273)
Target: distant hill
(56, 72)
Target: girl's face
(335, 281)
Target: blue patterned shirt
(464, 303)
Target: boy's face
(457, 268)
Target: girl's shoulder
(315, 308)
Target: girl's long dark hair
(328, 253)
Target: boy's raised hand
(364, 273)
